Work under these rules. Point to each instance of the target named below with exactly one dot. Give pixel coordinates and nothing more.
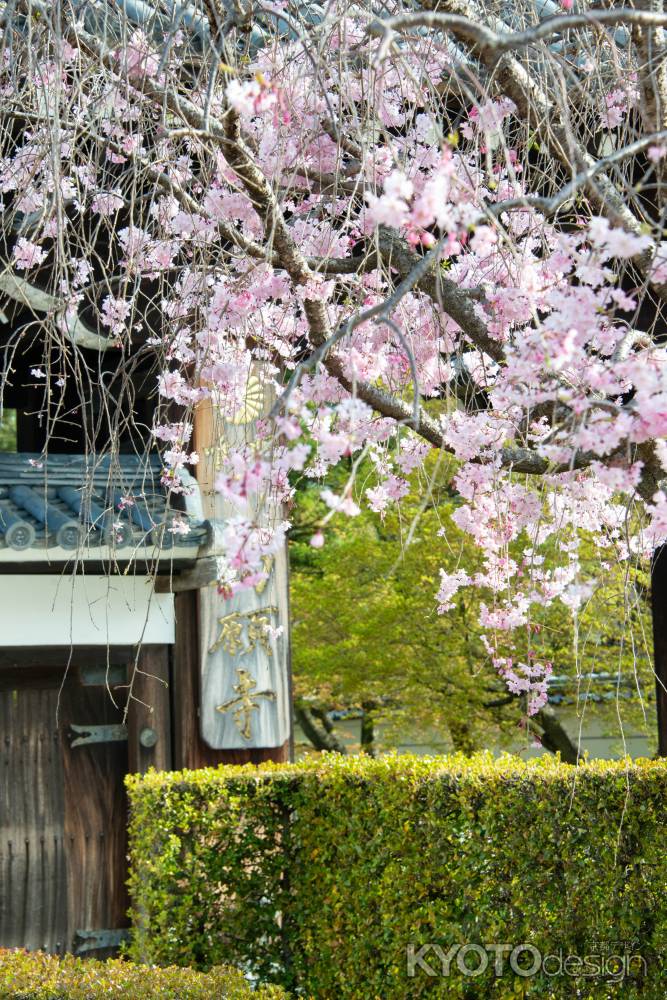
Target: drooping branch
(281, 248)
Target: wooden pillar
(149, 712)
(659, 613)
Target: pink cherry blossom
(450, 583)
(107, 203)
(115, 312)
(341, 504)
(27, 254)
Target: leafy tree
(367, 635)
(8, 431)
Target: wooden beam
(28, 657)
(203, 573)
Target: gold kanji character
(244, 703)
(258, 625)
(267, 565)
(231, 634)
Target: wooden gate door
(63, 813)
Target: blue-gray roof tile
(71, 500)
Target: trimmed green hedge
(323, 875)
(36, 976)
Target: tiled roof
(95, 505)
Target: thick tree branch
(321, 736)
(514, 79)
(476, 32)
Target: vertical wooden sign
(244, 639)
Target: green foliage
(8, 430)
(36, 976)
(320, 875)
(366, 627)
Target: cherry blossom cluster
(129, 202)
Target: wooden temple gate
(117, 652)
(83, 623)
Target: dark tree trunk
(659, 612)
(461, 737)
(318, 728)
(367, 738)
(554, 737)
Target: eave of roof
(75, 507)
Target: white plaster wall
(83, 610)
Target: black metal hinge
(98, 734)
(103, 675)
(96, 940)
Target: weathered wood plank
(33, 909)
(243, 639)
(190, 751)
(244, 686)
(95, 819)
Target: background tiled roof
(68, 501)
